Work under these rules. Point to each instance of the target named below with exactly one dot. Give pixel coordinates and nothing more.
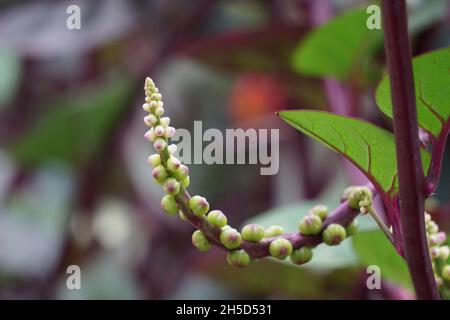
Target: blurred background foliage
(74, 184)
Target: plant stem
(381, 224)
(410, 172)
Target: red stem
(410, 173)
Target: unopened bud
(273, 231)
(320, 210)
(238, 258)
(171, 186)
(172, 148)
(173, 164)
(159, 173)
(280, 248)
(446, 272)
(435, 252)
(159, 111)
(200, 241)
(154, 160)
(334, 234)
(182, 172)
(150, 120)
(169, 132)
(164, 121)
(160, 144)
(310, 225)
(150, 135)
(199, 205)
(437, 238)
(359, 197)
(185, 183)
(352, 228)
(444, 252)
(230, 238)
(252, 232)
(169, 204)
(159, 131)
(217, 218)
(302, 255)
(146, 107)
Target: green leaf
(367, 146)
(432, 86)
(373, 248)
(75, 126)
(337, 48)
(10, 71)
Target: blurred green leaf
(337, 48)
(432, 86)
(75, 126)
(10, 73)
(280, 280)
(373, 248)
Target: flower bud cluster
(168, 171)
(173, 176)
(358, 198)
(439, 252)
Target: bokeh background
(75, 187)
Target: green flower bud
(273, 231)
(320, 210)
(181, 173)
(169, 204)
(217, 218)
(169, 132)
(252, 232)
(437, 238)
(146, 107)
(432, 227)
(159, 173)
(435, 252)
(302, 255)
(150, 120)
(359, 197)
(446, 272)
(280, 248)
(173, 164)
(230, 238)
(238, 258)
(154, 160)
(172, 148)
(444, 252)
(159, 111)
(200, 241)
(185, 183)
(352, 228)
(165, 121)
(171, 186)
(198, 205)
(427, 217)
(334, 234)
(160, 144)
(310, 225)
(150, 135)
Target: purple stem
(342, 215)
(410, 173)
